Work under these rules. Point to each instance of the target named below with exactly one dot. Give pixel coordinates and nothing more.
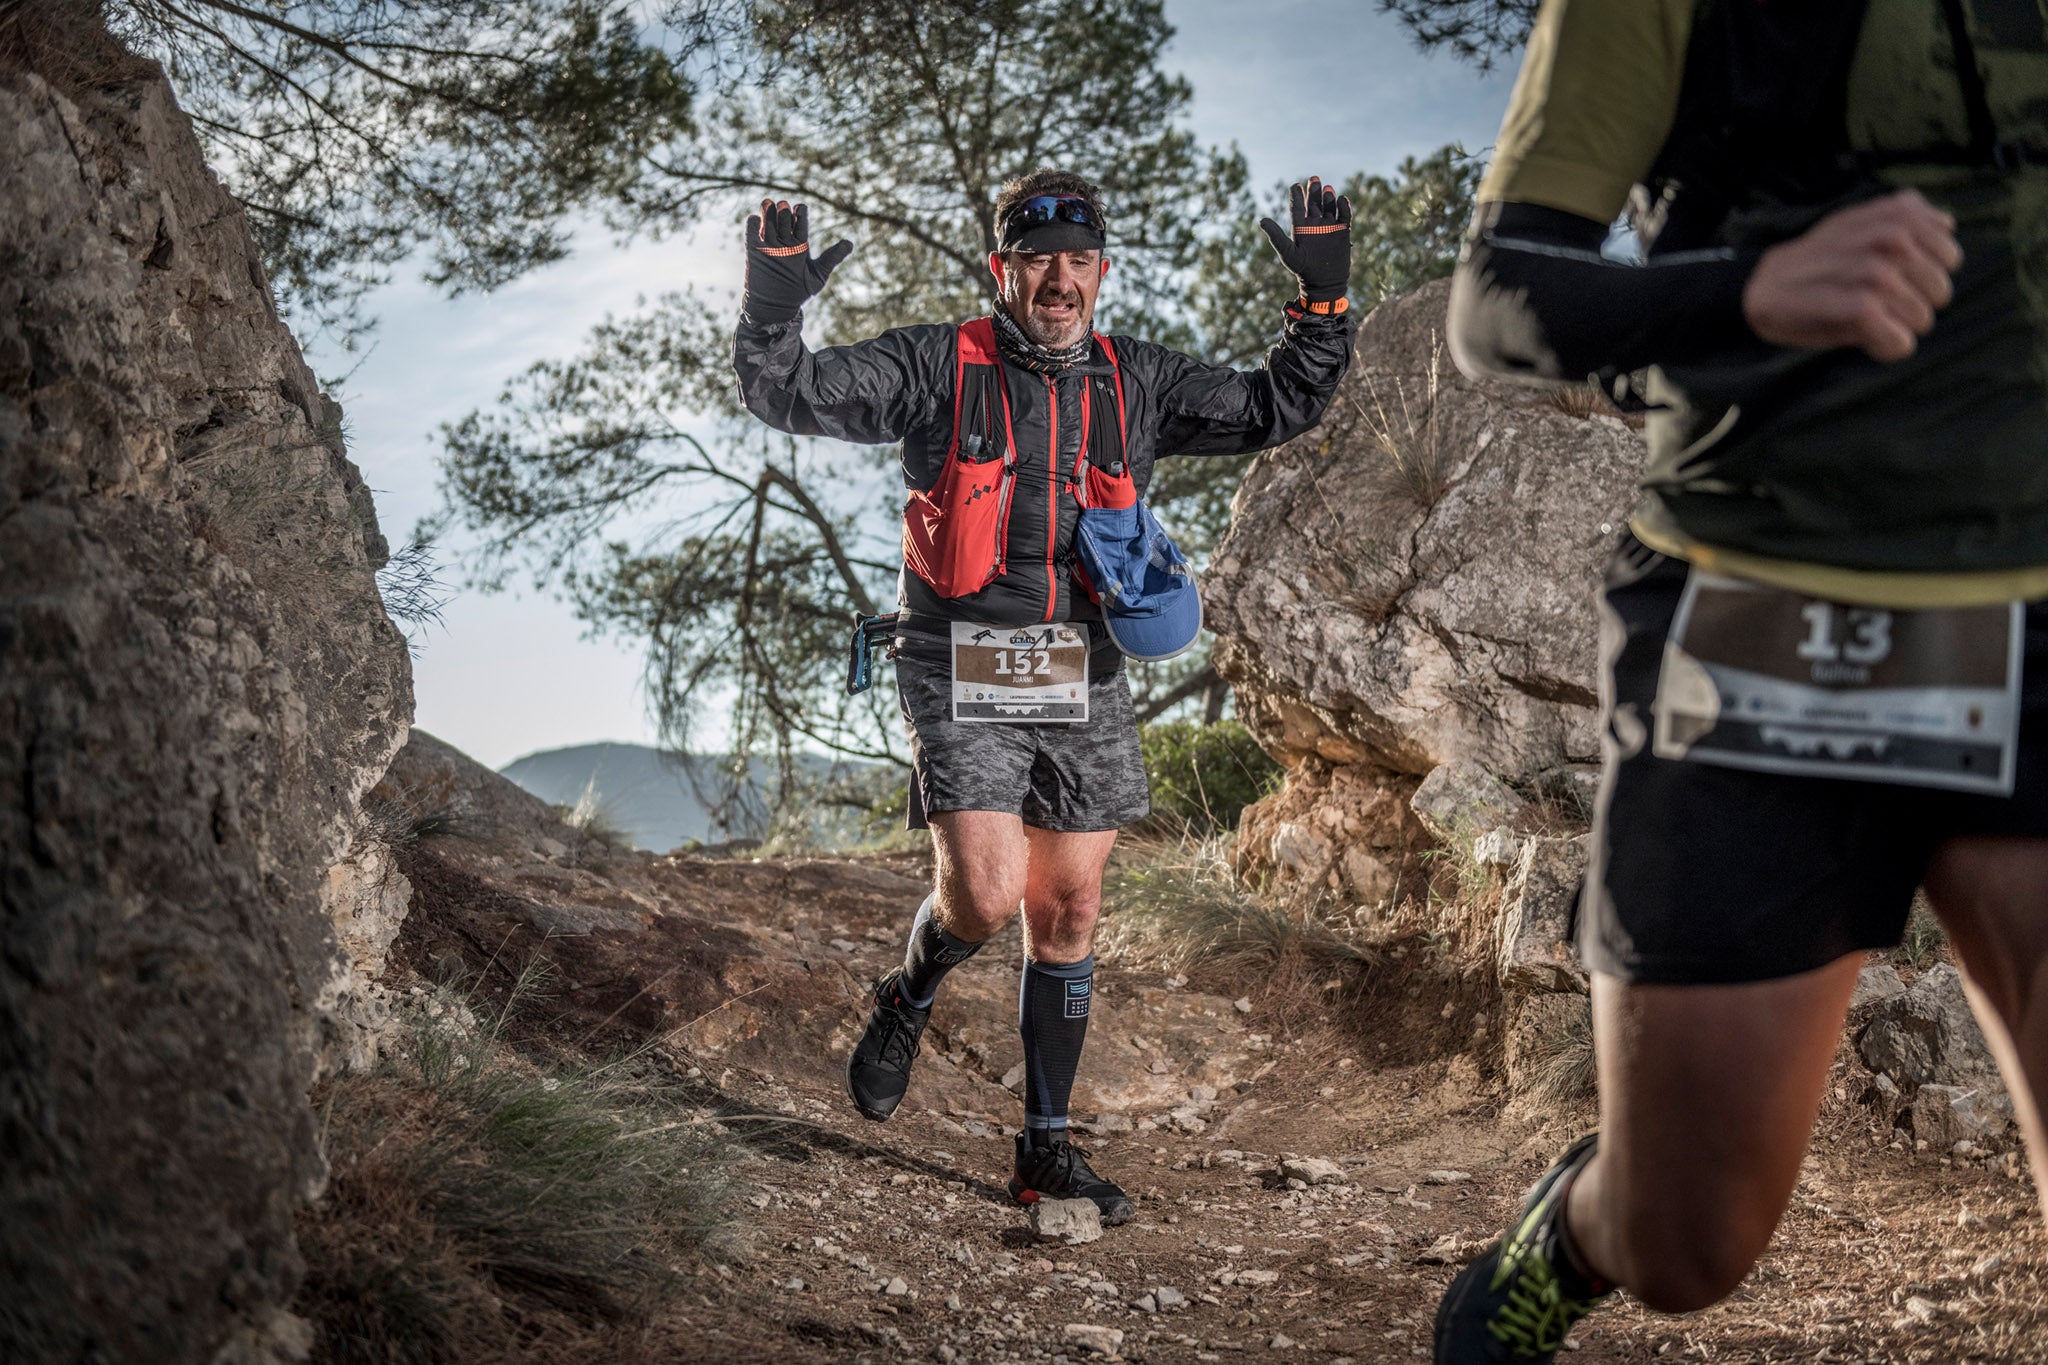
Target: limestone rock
(1535, 951)
(1349, 829)
(1947, 1114)
(1498, 848)
(1875, 985)
(1298, 849)
(1451, 1249)
(366, 898)
(1312, 1170)
(1104, 1341)
(1073, 1221)
(1461, 800)
(365, 895)
(198, 683)
(1411, 583)
(1927, 1036)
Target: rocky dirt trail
(1311, 1165)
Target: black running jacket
(899, 387)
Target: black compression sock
(1052, 1015)
(932, 953)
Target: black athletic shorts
(1704, 874)
(1073, 777)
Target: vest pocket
(953, 535)
(1113, 491)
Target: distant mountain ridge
(657, 798)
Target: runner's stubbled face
(1050, 294)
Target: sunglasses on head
(1053, 208)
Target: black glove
(1319, 252)
(781, 272)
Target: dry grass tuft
(403, 818)
(414, 596)
(1407, 432)
(1553, 1065)
(481, 1207)
(1181, 906)
(592, 821)
(1580, 400)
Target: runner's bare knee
(978, 907)
(1061, 921)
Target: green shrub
(1205, 775)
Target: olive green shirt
(1923, 482)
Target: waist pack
(1150, 600)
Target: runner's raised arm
(871, 392)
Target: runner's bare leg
(1063, 893)
(980, 859)
(1708, 1096)
(1992, 896)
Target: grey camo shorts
(1069, 777)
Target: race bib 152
(1028, 674)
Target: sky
(1305, 87)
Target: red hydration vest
(956, 535)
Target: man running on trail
(1011, 424)
(1819, 686)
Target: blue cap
(1150, 601)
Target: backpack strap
(1106, 442)
(1985, 148)
(977, 365)
(977, 345)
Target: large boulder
(197, 684)
(1926, 1035)
(1411, 585)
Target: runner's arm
(1217, 410)
(1533, 299)
(871, 392)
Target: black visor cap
(1051, 222)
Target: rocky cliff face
(197, 684)
(1410, 586)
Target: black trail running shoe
(1060, 1170)
(1517, 1302)
(878, 1072)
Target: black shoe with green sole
(1515, 1304)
